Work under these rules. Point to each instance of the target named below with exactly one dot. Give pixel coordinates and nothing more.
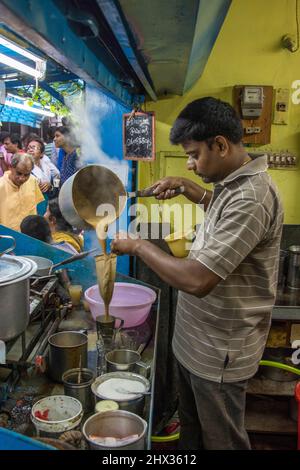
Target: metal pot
(15, 272)
(82, 390)
(83, 193)
(293, 278)
(63, 414)
(282, 268)
(118, 424)
(134, 405)
(125, 360)
(93, 191)
(44, 265)
(68, 350)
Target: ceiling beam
(42, 24)
(115, 21)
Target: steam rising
(86, 119)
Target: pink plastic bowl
(131, 302)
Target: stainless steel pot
(44, 265)
(15, 272)
(134, 405)
(68, 350)
(126, 360)
(119, 424)
(82, 390)
(293, 279)
(84, 192)
(94, 190)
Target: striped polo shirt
(221, 337)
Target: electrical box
(253, 104)
(252, 100)
(281, 106)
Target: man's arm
(164, 189)
(187, 275)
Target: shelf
(269, 416)
(263, 386)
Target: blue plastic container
(10, 440)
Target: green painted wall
(247, 51)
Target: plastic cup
(75, 292)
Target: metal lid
(294, 248)
(14, 268)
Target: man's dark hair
(61, 223)
(3, 135)
(64, 130)
(28, 137)
(15, 139)
(36, 227)
(204, 119)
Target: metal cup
(125, 360)
(82, 390)
(102, 324)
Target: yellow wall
(247, 51)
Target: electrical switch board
(253, 104)
(283, 159)
(281, 106)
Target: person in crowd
(5, 157)
(28, 137)
(19, 192)
(43, 169)
(12, 145)
(61, 230)
(45, 172)
(227, 285)
(50, 149)
(36, 226)
(68, 160)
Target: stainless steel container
(134, 405)
(82, 194)
(44, 265)
(293, 278)
(68, 350)
(125, 360)
(282, 268)
(82, 390)
(119, 424)
(15, 272)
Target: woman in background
(61, 231)
(68, 160)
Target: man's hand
(124, 244)
(164, 188)
(44, 187)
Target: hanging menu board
(139, 136)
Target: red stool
(297, 396)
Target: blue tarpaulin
(21, 116)
(8, 114)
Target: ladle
(79, 372)
(11, 248)
(72, 258)
(128, 392)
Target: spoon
(123, 390)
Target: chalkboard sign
(139, 136)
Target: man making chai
(227, 284)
